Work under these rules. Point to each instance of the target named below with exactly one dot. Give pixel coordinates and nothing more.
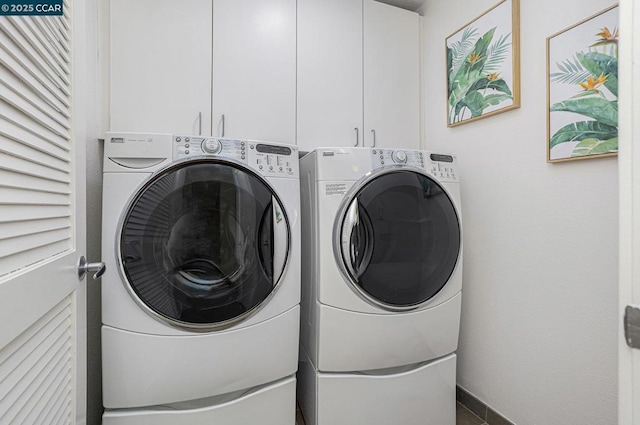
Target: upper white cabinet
(254, 69)
(229, 67)
(358, 75)
(391, 76)
(160, 66)
(329, 73)
(204, 67)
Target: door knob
(85, 267)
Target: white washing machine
(381, 286)
(200, 300)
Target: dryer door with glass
(203, 243)
(397, 238)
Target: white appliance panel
(422, 395)
(339, 164)
(274, 404)
(136, 152)
(155, 369)
(349, 341)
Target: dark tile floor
(463, 417)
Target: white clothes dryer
(381, 285)
(200, 300)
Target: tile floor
(464, 416)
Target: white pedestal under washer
(381, 279)
(200, 300)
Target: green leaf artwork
(473, 80)
(585, 121)
(479, 65)
(583, 130)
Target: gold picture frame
(582, 89)
(483, 65)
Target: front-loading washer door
(397, 238)
(203, 243)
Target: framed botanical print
(483, 65)
(582, 89)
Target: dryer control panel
(441, 166)
(269, 159)
(384, 157)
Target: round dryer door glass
(204, 243)
(399, 239)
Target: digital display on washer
(278, 150)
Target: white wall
(538, 334)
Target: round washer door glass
(204, 243)
(399, 239)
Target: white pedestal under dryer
(200, 300)
(381, 287)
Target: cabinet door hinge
(632, 326)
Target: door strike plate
(632, 326)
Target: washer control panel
(189, 146)
(266, 158)
(274, 160)
(442, 166)
(384, 157)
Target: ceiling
(405, 4)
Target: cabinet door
(254, 69)
(329, 73)
(391, 76)
(160, 66)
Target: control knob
(400, 156)
(211, 146)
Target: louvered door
(42, 220)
